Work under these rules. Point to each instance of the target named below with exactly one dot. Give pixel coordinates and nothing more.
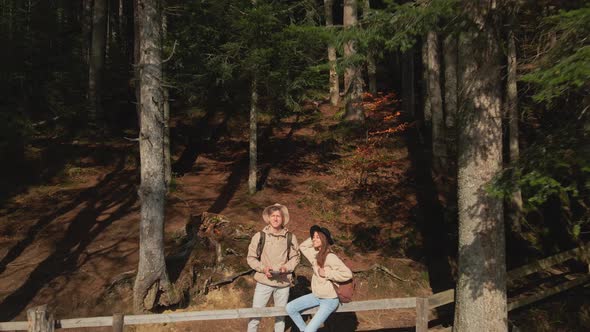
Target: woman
(327, 267)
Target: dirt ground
(68, 241)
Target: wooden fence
(40, 320)
(582, 253)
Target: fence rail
(40, 321)
(383, 304)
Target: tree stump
(215, 228)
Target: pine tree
(480, 303)
(334, 79)
(96, 61)
(152, 276)
(353, 83)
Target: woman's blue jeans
(295, 307)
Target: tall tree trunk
(371, 65)
(353, 83)
(97, 56)
(121, 21)
(515, 205)
(152, 276)
(10, 8)
(334, 80)
(167, 157)
(439, 154)
(109, 29)
(427, 111)
(252, 175)
(253, 148)
(372, 72)
(450, 63)
(450, 58)
(86, 29)
(481, 287)
(408, 92)
(137, 81)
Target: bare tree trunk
(371, 65)
(253, 148)
(439, 153)
(372, 72)
(167, 157)
(427, 111)
(152, 276)
(121, 20)
(450, 62)
(137, 81)
(349, 20)
(86, 29)
(353, 83)
(409, 96)
(109, 29)
(252, 175)
(96, 65)
(481, 286)
(450, 58)
(10, 8)
(334, 79)
(515, 205)
(120, 9)
(451, 89)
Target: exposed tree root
(230, 279)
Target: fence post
(421, 314)
(40, 320)
(118, 322)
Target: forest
(444, 143)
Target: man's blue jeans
(295, 307)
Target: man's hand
(267, 272)
(283, 269)
(322, 272)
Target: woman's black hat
(323, 230)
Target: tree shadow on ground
(50, 161)
(200, 137)
(239, 169)
(288, 154)
(33, 231)
(274, 152)
(238, 173)
(81, 231)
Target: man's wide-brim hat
(323, 230)
(284, 211)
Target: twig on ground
(383, 269)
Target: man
(273, 253)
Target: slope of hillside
(72, 242)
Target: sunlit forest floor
(71, 240)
